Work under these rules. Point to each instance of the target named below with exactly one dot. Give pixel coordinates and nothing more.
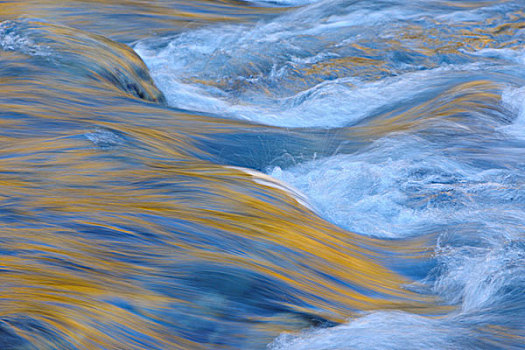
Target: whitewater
(292, 174)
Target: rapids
(287, 174)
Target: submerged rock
(83, 54)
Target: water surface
(290, 174)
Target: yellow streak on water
(131, 19)
(467, 97)
(62, 175)
(77, 183)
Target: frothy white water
(486, 283)
(335, 103)
(328, 64)
(406, 186)
(401, 187)
(514, 100)
(381, 330)
(13, 40)
(512, 55)
(272, 73)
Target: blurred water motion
(285, 174)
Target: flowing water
(287, 174)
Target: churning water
(287, 174)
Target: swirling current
(287, 174)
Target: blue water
(270, 174)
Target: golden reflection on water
(39, 282)
(130, 20)
(55, 181)
(159, 205)
(452, 105)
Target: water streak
(284, 174)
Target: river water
(292, 174)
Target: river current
(288, 174)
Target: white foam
(366, 192)
(517, 56)
(478, 278)
(261, 73)
(514, 100)
(402, 186)
(380, 330)
(265, 180)
(334, 103)
(104, 138)
(250, 63)
(485, 282)
(11, 39)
